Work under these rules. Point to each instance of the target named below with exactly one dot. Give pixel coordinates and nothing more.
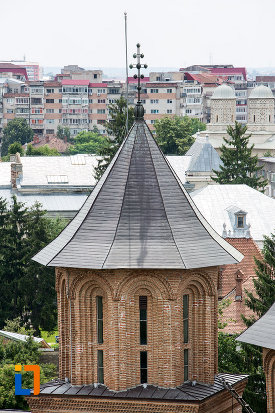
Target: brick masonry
(269, 369)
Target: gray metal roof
(138, 216)
(184, 392)
(19, 337)
(204, 157)
(262, 332)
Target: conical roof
(138, 216)
(204, 157)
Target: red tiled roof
(131, 79)
(9, 67)
(265, 78)
(249, 249)
(53, 143)
(204, 78)
(80, 82)
(98, 85)
(229, 71)
(232, 313)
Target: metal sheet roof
(214, 202)
(262, 332)
(138, 216)
(184, 392)
(204, 157)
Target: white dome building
(223, 105)
(260, 107)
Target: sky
(172, 33)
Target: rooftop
(185, 392)
(215, 203)
(138, 216)
(224, 92)
(261, 92)
(204, 157)
(22, 337)
(262, 332)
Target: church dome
(261, 92)
(224, 92)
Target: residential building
(262, 334)
(136, 278)
(268, 172)
(9, 70)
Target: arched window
(217, 118)
(254, 118)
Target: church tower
(260, 107)
(136, 280)
(223, 106)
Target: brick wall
(120, 289)
(269, 369)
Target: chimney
(35, 139)
(239, 290)
(16, 169)
(47, 139)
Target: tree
(27, 288)
(41, 151)
(17, 130)
(116, 129)
(175, 134)
(88, 142)
(63, 132)
(264, 283)
(239, 166)
(12, 150)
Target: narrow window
(185, 356)
(240, 221)
(100, 370)
(143, 367)
(99, 316)
(143, 319)
(269, 118)
(217, 118)
(185, 318)
(254, 117)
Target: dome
(224, 92)
(261, 92)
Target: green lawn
(49, 337)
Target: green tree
(12, 353)
(41, 151)
(116, 129)
(239, 166)
(27, 288)
(88, 142)
(17, 130)
(175, 134)
(63, 132)
(12, 150)
(264, 284)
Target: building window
(100, 100)
(49, 90)
(240, 221)
(49, 110)
(49, 100)
(143, 319)
(153, 121)
(217, 118)
(185, 361)
(158, 78)
(154, 111)
(154, 101)
(95, 76)
(143, 367)
(169, 101)
(99, 318)
(254, 118)
(169, 110)
(101, 111)
(169, 90)
(100, 369)
(185, 318)
(154, 90)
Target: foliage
(239, 358)
(267, 154)
(27, 288)
(12, 353)
(41, 151)
(12, 150)
(175, 134)
(16, 326)
(239, 166)
(116, 130)
(264, 283)
(63, 132)
(88, 142)
(17, 130)
(222, 305)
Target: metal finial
(139, 110)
